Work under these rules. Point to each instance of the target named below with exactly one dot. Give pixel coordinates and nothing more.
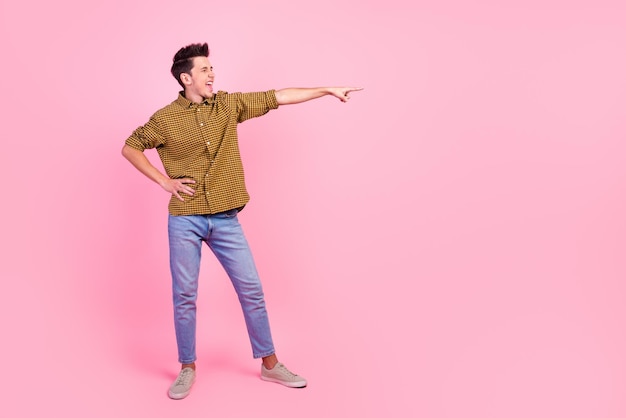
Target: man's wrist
(162, 180)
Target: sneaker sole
(178, 396)
(300, 384)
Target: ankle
(189, 366)
(270, 361)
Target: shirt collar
(186, 103)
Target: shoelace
(184, 377)
(287, 371)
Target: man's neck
(196, 98)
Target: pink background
(448, 244)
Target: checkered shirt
(199, 141)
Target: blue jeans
(224, 236)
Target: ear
(185, 78)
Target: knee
(252, 295)
(185, 298)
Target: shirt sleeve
(252, 105)
(146, 136)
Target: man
(196, 138)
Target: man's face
(200, 84)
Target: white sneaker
(182, 386)
(280, 374)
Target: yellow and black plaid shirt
(199, 141)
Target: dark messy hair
(183, 60)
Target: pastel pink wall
(448, 244)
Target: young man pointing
(196, 139)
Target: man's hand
(177, 186)
(141, 163)
(342, 92)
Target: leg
(185, 238)
(228, 243)
(231, 248)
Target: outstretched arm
(298, 95)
